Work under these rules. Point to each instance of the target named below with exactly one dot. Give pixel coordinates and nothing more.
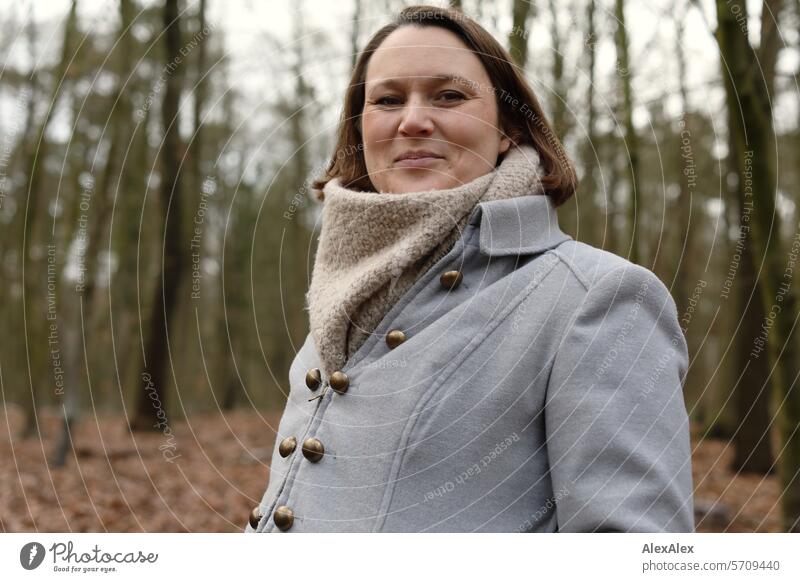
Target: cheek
(375, 127)
(472, 126)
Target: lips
(417, 158)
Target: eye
(387, 101)
(451, 96)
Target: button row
(312, 448)
(282, 516)
(338, 380)
(449, 280)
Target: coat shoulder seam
(572, 267)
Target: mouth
(417, 159)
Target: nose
(416, 118)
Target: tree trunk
(561, 123)
(751, 437)
(151, 400)
(590, 220)
(691, 219)
(748, 98)
(86, 320)
(354, 33)
(36, 157)
(128, 280)
(522, 10)
(631, 138)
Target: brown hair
(522, 125)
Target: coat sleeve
(616, 424)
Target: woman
(470, 367)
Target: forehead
(421, 52)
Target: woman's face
(430, 118)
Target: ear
(505, 143)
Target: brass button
(313, 449)
(340, 382)
(283, 517)
(313, 378)
(287, 446)
(394, 338)
(451, 279)
(255, 516)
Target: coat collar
(517, 226)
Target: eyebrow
(458, 80)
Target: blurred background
(157, 232)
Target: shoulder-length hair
(520, 115)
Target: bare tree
(354, 32)
(152, 394)
(85, 316)
(588, 186)
(200, 91)
(561, 123)
(522, 11)
(687, 207)
(748, 97)
(631, 138)
(36, 155)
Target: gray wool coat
(542, 394)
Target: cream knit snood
(373, 247)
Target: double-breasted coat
(526, 382)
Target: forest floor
(119, 482)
